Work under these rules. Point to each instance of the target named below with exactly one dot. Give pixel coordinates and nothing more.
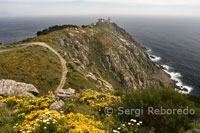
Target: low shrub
(159, 99)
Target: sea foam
(152, 57)
(176, 77)
(155, 58)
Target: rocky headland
(65, 79)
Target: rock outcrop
(56, 105)
(13, 88)
(65, 94)
(99, 81)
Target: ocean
(173, 41)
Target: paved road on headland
(62, 60)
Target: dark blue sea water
(174, 40)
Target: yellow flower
(99, 100)
(82, 123)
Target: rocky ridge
(108, 56)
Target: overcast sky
(102, 7)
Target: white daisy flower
(133, 120)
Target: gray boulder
(56, 105)
(65, 94)
(13, 88)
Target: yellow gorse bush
(53, 121)
(99, 100)
(24, 105)
(79, 123)
(36, 117)
(41, 120)
(6, 100)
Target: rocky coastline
(174, 84)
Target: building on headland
(103, 20)
(109, 20)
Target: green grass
(5, 47)
(35, 65)
(76, 80)
(7, 120)
(54, 46)
(103, 39)
(76, 107)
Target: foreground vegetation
(33, 115)
(162, 99)
(86, 113)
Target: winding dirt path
(62, 60)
